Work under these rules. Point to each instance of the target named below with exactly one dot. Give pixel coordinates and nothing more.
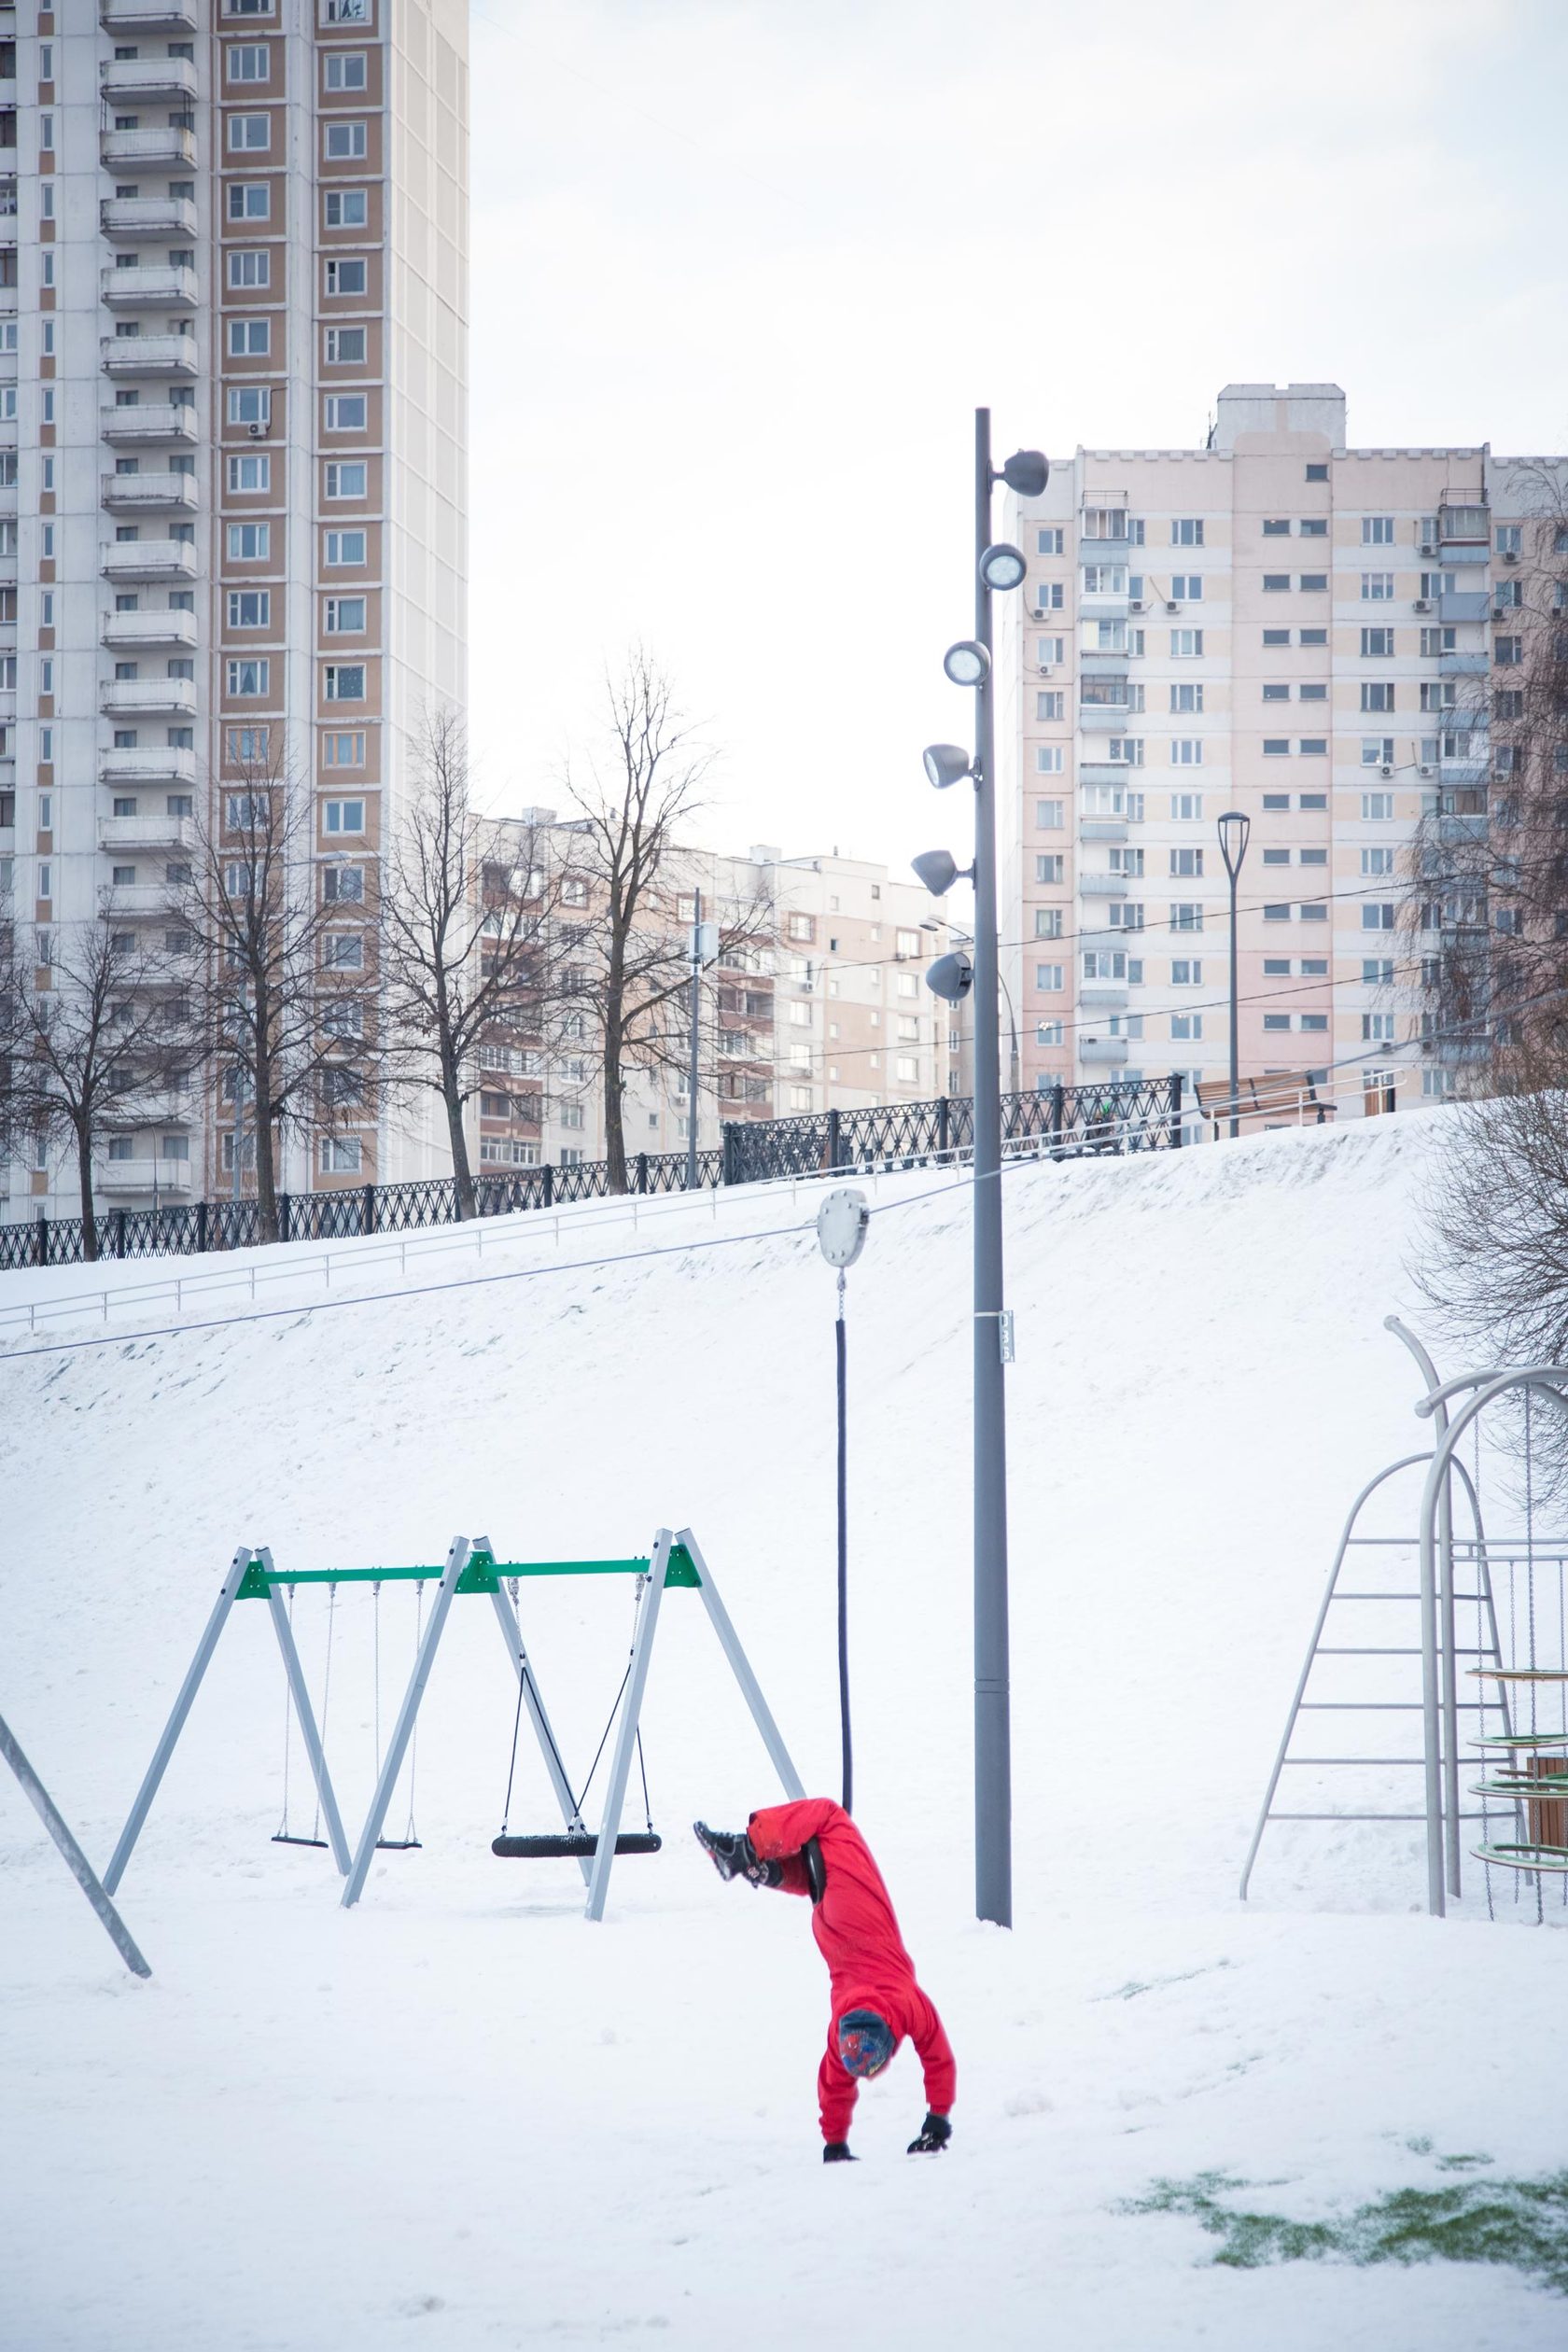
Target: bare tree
(284, 974)
(92, 1043)
(467, 950)
(1488, 902)
(631, 971)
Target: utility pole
(692, 1073)
(1234, 829)
(993, 1739)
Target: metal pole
(1235, 1011)
(392, 1763)
(625, 1737)
(846, 1743)
(740, 1667)
(75, 1860)
(692, 1076)
(993, 1766)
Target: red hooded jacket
(857, 1937)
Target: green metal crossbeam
(481, 1575)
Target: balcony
(147, 698)
(121, 17)
(146, 833)
(1105, 997)
(167, 286)
(147, 493)
(1101, 1053)
(147, 632)
(1104, 886)
(154, 766)
(148, 355)
(165, 81)
(1464, 603)
(1104, 550)
(1107, 661)
(141, 1177)
(1103, 717)
(149, 559)
(1109, 772)
(1102, 829)
(136, 898)
(147, 216)
(1463, 665)
(162, 149)
(157, 421)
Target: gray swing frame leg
(625, 1737)
(533, 1699)
(71, 1853)
(740, 1667)
(309, 1731)
(392, 1763)
(177, 1715)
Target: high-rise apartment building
(1277, 623)
(818, 1004)
(232, 420)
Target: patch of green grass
(1522, 2224)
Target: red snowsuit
(857, 1937)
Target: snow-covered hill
(461, 2112)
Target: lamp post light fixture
(1234, 829)
(999, 568)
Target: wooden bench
(1275, 1099)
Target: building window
(1186, 751)
(346, 277)
(1049, 759)
(344, 682)
(1377, 530)
(1186, 531)
(242, 747)
(343, 142)
(1187, 587)
(346, 346)
(1276, 528)
(343, 886)
(250, 270)
(1377, 645)
(1187, 972)
(1376, 807)
(1050, 706)
(249, 542)
(1050, 815)
(1050, 977)
(249, 200)
(1275, 582)
(1186, 808)
(1275, 747)
(1377, 693)
(249, 135)
(344, 817)
(249, 404)
(346, 480)
(1509, 651)
(1187, 915)
(343, 951)
(1188, 1024)
(1186, 864)
(1313, 526)
(347, 208)
(346, 548)
(1313, 747)
(1048, 869)
(1379, 917)
(1047, 922)
(341, 1155)
(1048, 541)
(1313, 583)
(249, 338)
(343, 69)
(250, 608)
(248, 61)
(248, 678)
(1048, 596)
(346, 412)
(1186, 698)
(251, 473)
(344, 616)
(1317, 473)
(1186, 644)
(1378, 1027)
(344, 750)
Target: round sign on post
(842, 1224)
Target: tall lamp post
(1234, 829)
(952, 978)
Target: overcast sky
(743, 268)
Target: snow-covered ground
(459, 2116)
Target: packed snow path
(461, 2115)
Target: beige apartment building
(1275, 623)
(819, 1004)
(232, 418)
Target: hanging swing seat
(571, 1845)
(1521, 1740)
(1552, 1786)
(1512, 1857)
(283, 1837)
(1519, 1674)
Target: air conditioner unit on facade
(257, 431)
(1135, 603)
(1429, 770)
(1497, 612)
(1172, 605)
(1423, 604)
(1510, 555)
(1428, 547)
(1385, 771)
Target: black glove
(837, 2152)
(935, 2132)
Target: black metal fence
(1063, 1122)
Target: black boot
(837, 2152)
(734, 1856)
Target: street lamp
(998, 569)
(1234, 829)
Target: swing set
(470, 1569)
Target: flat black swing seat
(571, 1845)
